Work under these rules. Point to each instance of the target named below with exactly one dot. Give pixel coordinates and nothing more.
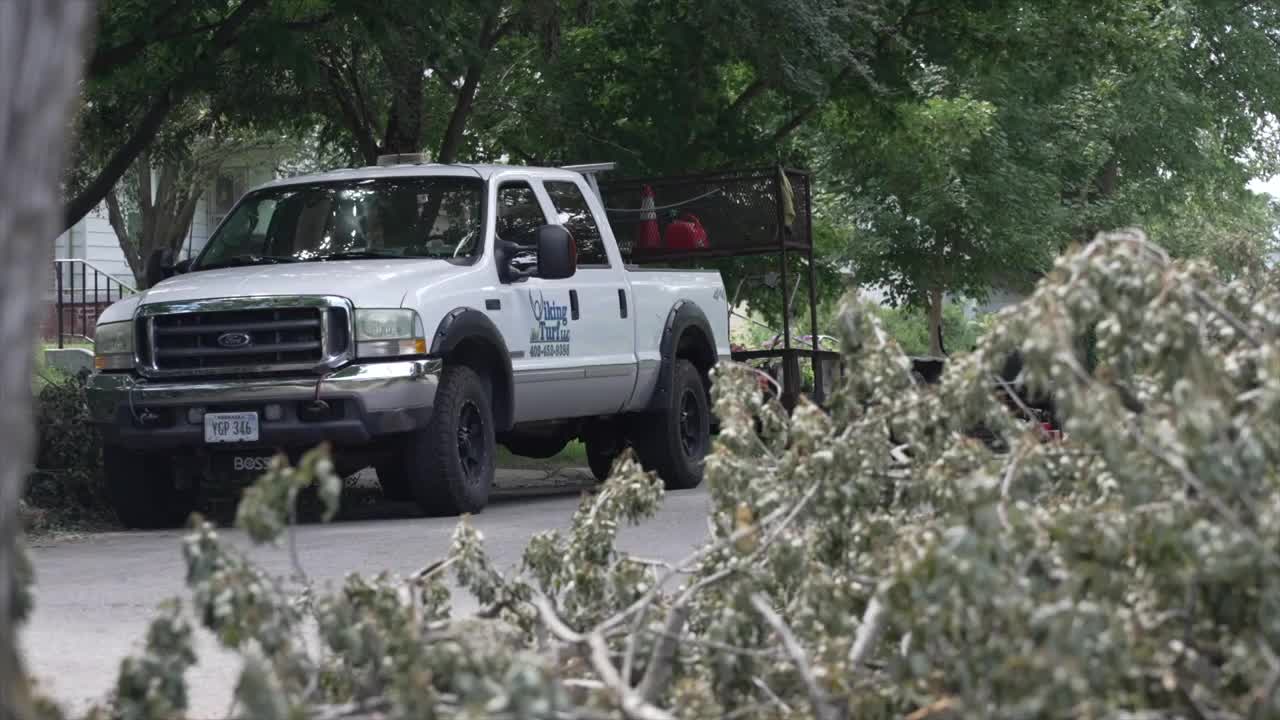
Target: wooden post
(790, 368)
(41, 63)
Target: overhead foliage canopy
(957, 146)
(1033, 125)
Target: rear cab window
(573, 212)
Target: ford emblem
(234, 339)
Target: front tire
(451, 462)
(142, 488)
(675, 440)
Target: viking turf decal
(550, 334)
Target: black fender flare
(684, 316)
(464, 324)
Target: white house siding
(997, 299)
(198, 234)
(93, 239)
(101, 248)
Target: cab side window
(574, 213)
(518, 218)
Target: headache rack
(751, 212)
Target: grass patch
(573, 455)
(43, 374)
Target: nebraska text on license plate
(230, 427)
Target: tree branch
(749, 93)
(149, 124)
(106, 59)
(115, 216)
(466, 94)
(597, 654)
(658, 671)
(351, 117)
(823, 707)
(786, 513)
(441, 76)
(864, 642)
(800, 117)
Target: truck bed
(656, 291)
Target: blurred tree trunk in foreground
(41, 57)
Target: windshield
(436, 217)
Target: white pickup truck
(414, 316)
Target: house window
(228, 186)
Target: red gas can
(686, 233)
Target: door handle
(573, 303)
(622, 301)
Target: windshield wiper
(250, 260)
(364, 254)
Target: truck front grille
(244, 340)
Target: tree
(152, 208)
(153, 56)
(943, 200)
(672, 87)
(669, 87)
(388, 77)
(1123, 110)
(40, 65)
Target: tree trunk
(404, 120)
(41, 64)
(128, 244)
(165, 210)
(452, 141)
(490, 34)
(935, 323)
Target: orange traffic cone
(650, 238)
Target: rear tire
(450, 463)
(142, 488)
(675, 440)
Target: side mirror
(557, 253)
(182, 266)
(159, 266)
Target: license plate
(231, 427)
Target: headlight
(389, 333)
(113, 346)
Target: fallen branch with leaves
(1124, 572)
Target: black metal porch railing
(81, 292)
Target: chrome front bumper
(367, 400)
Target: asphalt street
(95, 595)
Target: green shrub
(910, 327)
(67, 484)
